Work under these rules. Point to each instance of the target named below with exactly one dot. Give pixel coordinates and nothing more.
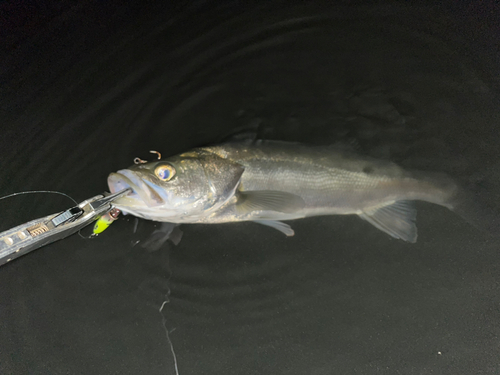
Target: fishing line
(45, 192)
(38, 191)
(167, 334)
(164, 320)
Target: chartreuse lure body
(105, 221)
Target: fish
(269, 182)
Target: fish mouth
(143, 192)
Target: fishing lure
(105, 221)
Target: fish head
(178, 188)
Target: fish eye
(165, 172)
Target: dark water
(86, 87)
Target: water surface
(97, 87)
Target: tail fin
(473, 201)
(476, 206)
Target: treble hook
(156, 152)
(140, 161)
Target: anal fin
(396, 219)
(282, 227)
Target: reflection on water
(339, 297)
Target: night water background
(88, 86)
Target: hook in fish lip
(141, 191)
(118, 181)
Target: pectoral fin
(268, 200)
(397, 220)
(282, 227)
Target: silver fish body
(266, 182)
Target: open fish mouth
(143, 192)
